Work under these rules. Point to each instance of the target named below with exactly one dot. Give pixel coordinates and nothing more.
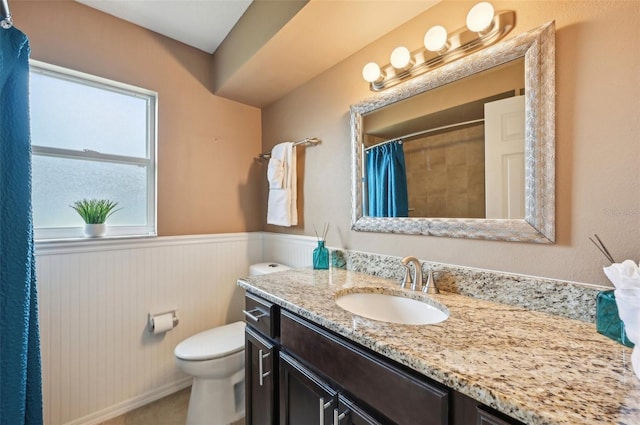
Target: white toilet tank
(265, 268)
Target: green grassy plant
(95, 211)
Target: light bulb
(435, 39)
(371, 72)
(480, 17)
(400, 57)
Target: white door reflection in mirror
(504, 158)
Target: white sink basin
(391, 308)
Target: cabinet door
(348, 413)
(304, 397)
(260, 379)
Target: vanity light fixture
(480, 17)
(371, 73)
(484, 28)
(401, 58)
(435, 40)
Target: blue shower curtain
(20, 369)
(387, 181)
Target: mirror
(463, 147)
(458, 183)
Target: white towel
(275, 174)
(282, 207)
(293, 185)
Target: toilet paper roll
(161, 323)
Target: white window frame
(66, 233)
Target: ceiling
(318, 35)
(202, 24)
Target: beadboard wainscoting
(99, 360)
(291, 250)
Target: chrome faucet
(416, 280)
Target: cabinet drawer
(396, 394)
(262, 315)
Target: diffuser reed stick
(325, 230)
(600, 245)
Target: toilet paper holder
(151, 325)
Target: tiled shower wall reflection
(445, 174)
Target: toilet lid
(213, 343)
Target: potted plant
(95, 212)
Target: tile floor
(171, 410)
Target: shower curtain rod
(308, 141)
(5, 14)
(420, 133)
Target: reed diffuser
(321, 253)
(625, 276)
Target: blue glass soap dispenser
(321, 257)
(321, 253)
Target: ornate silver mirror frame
(538, 48)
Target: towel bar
(308, 141)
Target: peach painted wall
(597, 136)
(208, 181)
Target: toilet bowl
(215, 359)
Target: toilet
(215, 359)
(265, 268)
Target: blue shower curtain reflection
(387, 181)
(20, 369)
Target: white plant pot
(95, 230)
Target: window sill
(89, 244)
(112, 243)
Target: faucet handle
(430, 287)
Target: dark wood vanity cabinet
(298, 373)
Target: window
(91, 138)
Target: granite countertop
(535, 367)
